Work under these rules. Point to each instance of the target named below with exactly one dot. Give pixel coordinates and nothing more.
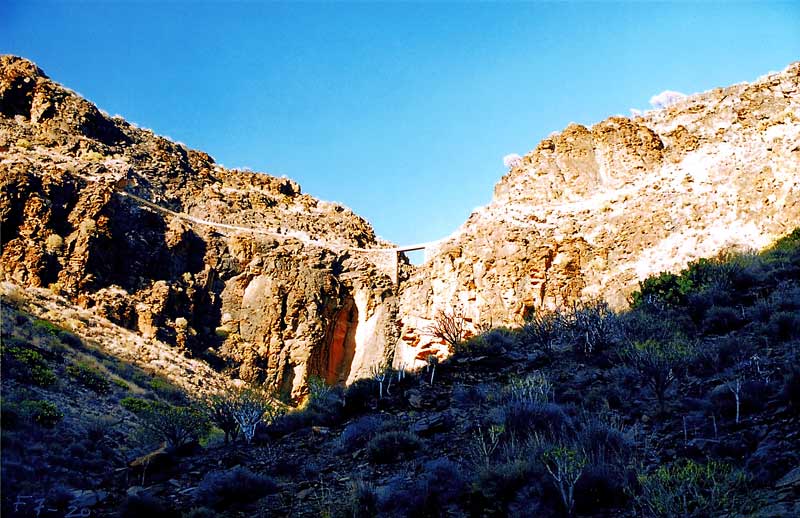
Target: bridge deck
(397, 249)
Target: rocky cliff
(593, 210)
(247, 273)
(240, 269)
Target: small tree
(234, 409)
(745, 370)
(378, 372)
(592, 327)
(659, 364)
(543, 329)
(565, 465)
(735, 386)
(534, 387)
(433, 361)
(484, 445)
(177, 425)
(448, 327)
(220, 409)
(401, 371)
(251, 407)
(318, 389)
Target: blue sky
(400, 111)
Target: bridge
(390, 263)
(389, 258)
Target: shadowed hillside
(686, 404)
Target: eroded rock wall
(239, 269)
(262, 281)
(593, 210)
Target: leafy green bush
(46, 327)
(135, 404)
(168, 391)
(43, 413)
(89, 377)
(223, 489)
(710, 275)
(120, 383)
(666, 288)
(28, 365)
(688, 488)
(177, 425)
(387, 447)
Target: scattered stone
(414, 399)
(303, 494)
(790, 479)
(429, 425)
(87, 498)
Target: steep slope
(239, 268)
(248, 273)
(592, 211)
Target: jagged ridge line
(214, 224)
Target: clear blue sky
(403, 112)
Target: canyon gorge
(214, 273)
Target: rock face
(238, 268)
(592, 211)
(246, 272)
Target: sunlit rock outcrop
(593, 210)
(237, 268)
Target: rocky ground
(475, 434)
(139, 277)
(474, 429)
